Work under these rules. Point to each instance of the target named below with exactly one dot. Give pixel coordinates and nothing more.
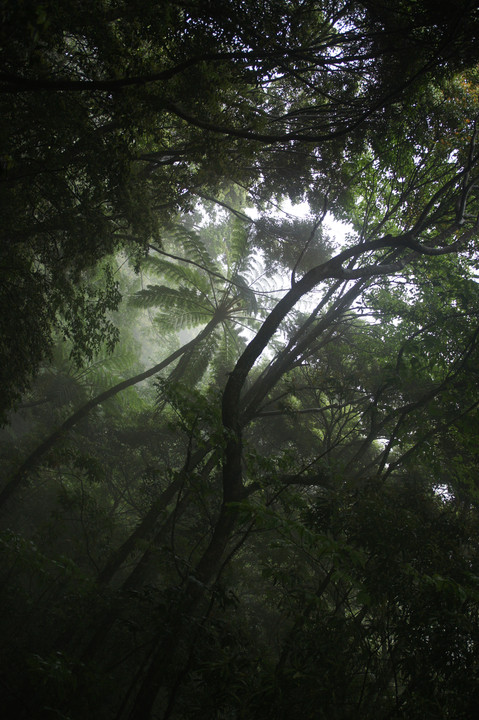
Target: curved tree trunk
(17, 480)
(147, 526)
(144, 567)
(167, 652)
(137, 576)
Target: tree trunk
(168, 652)
(41, 450)
(143, 569)
(147, 525)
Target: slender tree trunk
(168, 652)
(147, 525)
(18, 479)
(143, 568)
(141, 532)
(133, 580)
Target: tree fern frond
(194, 248)
(263, 283)
(178, 319)
(245, 294)
(228, 351)
(253, 267)
(164, 297)
(195, 364)
(177, 273)
(239, 250)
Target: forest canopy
(239, 444)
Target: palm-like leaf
(239, 251)
(193, 366)
(194, 248)
(230, 346)
(162, 296)
(177, 319)
(245, 294)
(177, 273)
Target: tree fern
(189, 297)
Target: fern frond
(245, 294)
(194, 248)
(178, 273)
(198, 360)
(253, 267)
(181, 320)
(228, 351)
(239, 250)
(164, 297)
